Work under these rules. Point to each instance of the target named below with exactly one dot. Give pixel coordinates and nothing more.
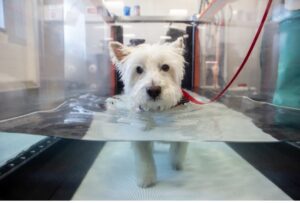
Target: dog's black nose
(154, 91)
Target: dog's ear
(178, 44)
(118, 51)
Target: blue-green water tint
(288, 84)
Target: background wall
(241, 21)
(18, 45)
(152, 32)
(153, 7)
(19, 54)
(240, 32)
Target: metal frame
(27, 155)
(157, 19)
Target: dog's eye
(165, 67)
(139, 70)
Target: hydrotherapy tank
(56, 74)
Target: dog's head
(151, 74)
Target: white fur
(151, 58)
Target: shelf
(157, 19)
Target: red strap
(190, 98)
(261, 25)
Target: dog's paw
(177, 152)
(146, 182)
(177, 166)
(113, 103)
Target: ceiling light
(165, 37)
(113, 4)
(130, 35)
(178, 12)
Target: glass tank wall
(56, 51)
(57, 78)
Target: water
(85, 117)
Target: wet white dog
(152, 76)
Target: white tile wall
(18, 62)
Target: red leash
(218, 96)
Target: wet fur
(151, 58)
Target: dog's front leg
(177, 154)
(144, 163)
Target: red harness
(218, 96)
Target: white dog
(152, 76)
